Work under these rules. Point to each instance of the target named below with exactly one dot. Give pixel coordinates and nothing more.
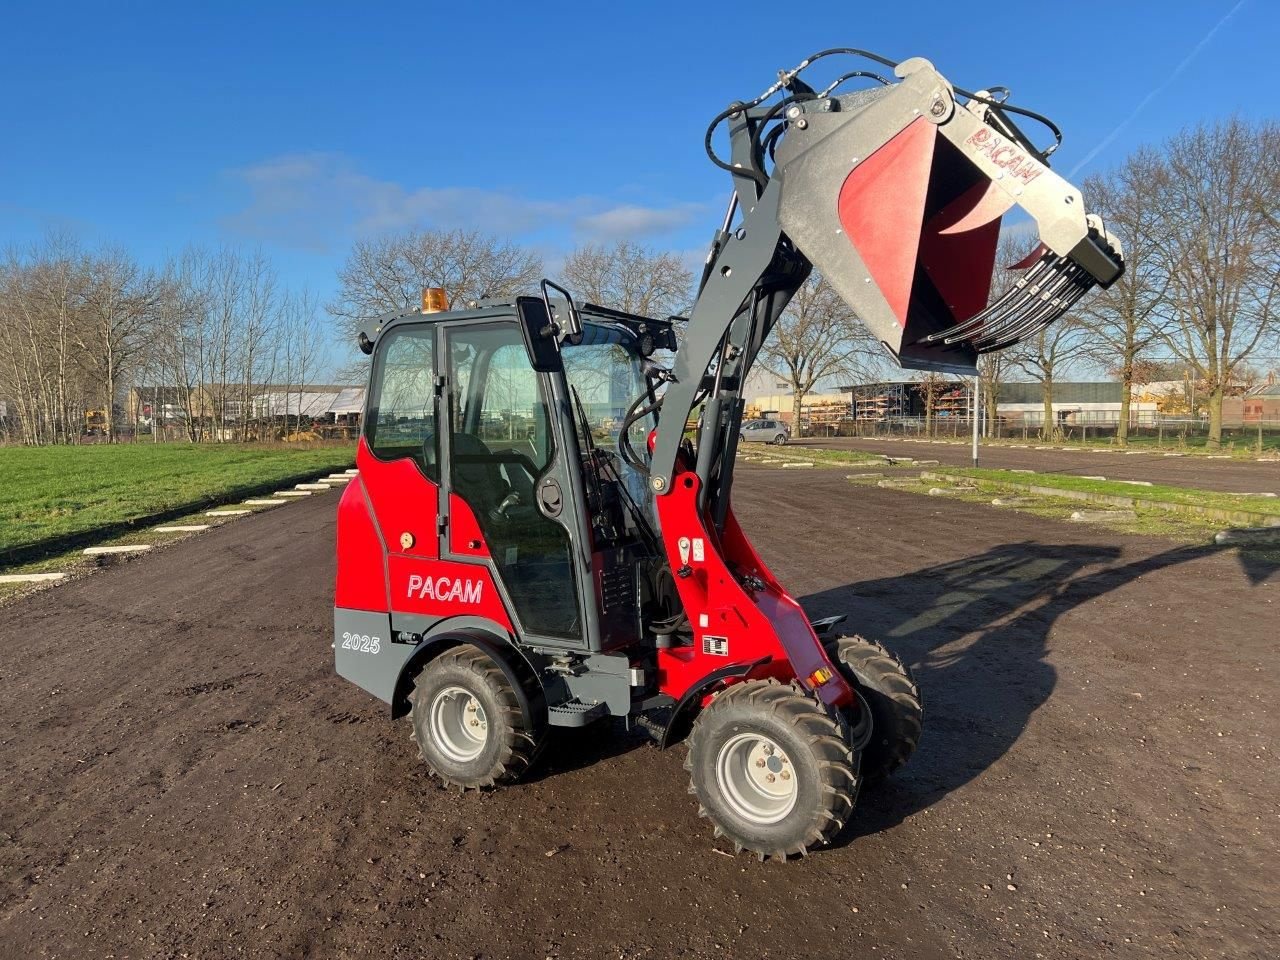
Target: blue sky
(298, 127)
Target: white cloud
(313, 201)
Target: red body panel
(404, 501)
(412, 578)
(465, 537)
(362, 563)
(445, 588)
(730, 623)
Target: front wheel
(893, 698)
(467, 721)
(771, 770)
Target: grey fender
(494, 641)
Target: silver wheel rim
(756, 778)
(458, 725)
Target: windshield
(605, 372)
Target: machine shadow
(975, 633)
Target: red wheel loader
(533, 542)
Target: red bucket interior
(926, 222)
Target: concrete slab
(1137, 483)
(227, 513)
(1103, 516)
(337, 478)
(292, 493)
(117, 548)
(352, 472)
(1012, 501)
(182, 528)
(1249, 535)
(311, 486)
(950, 491)
(265, 503)
(30, 577)
(793, 466)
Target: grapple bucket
(897, 194)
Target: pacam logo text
(445, 588)
(1004, 154)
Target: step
(575, 713)
(182, 528)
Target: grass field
(50, 496)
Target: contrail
(1186, 61)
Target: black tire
(481, 747)
(891, 693)
(807, 743)
(780, 439)
(742, 438)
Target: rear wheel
(780, 439)
(893, 699)
(771, 770)
(467, 721)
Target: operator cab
(513, 440)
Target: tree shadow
(981, 692)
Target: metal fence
(1090, 426)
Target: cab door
(508, 479)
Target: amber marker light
(434, 300)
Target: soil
(1226, 476)
(184, 775)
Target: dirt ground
(183, 774)
(1226, 476)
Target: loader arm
(896, 194)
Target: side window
(513, 416)
(401, 420)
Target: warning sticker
(699, 550)
(715, 646)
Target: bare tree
(119, 308)
(932, 386)
(388, 273)
(1220, 239)
(300, 336)
(993, 368)
(1128, 319)
(1045, 357)
(629, 277)
(816, 338)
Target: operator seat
(477, 475)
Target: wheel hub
(756, 778)
(458, 724)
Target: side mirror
(539, 334)
(571, 328)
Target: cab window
(401, 419)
